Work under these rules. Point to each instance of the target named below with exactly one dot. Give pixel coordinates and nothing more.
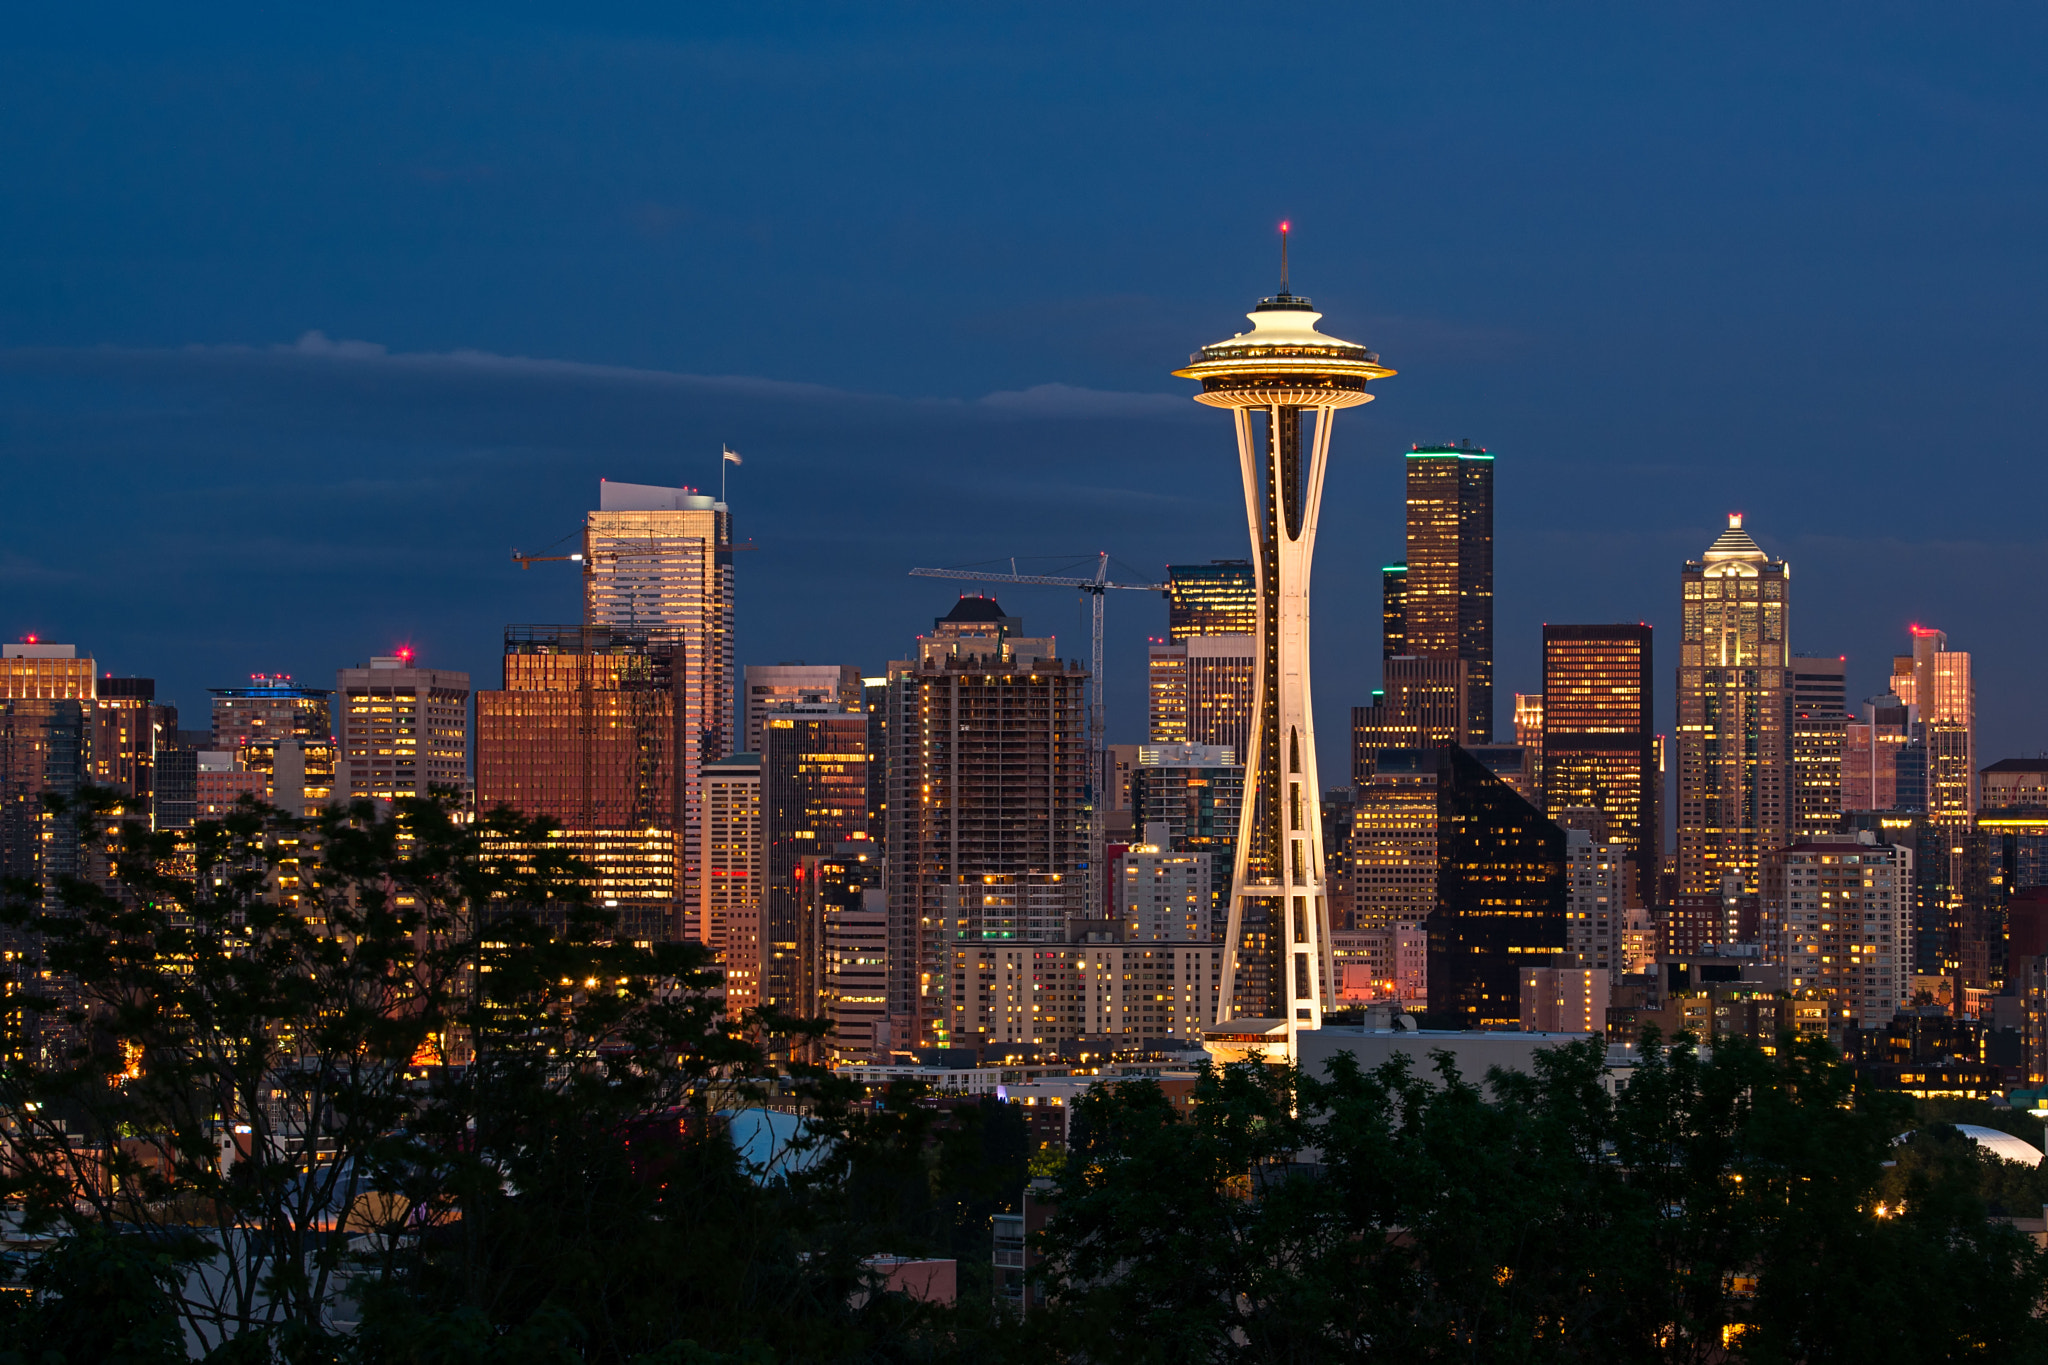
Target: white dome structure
(1999, 1144)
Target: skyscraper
(813, 689)
(987, 828)
(1935, 681)
(1277, 963)
(733, 878)
(1734, 710)
(404, 730)
(1820, 728)
(46, 695)
(1446, 587)
(814, 798)
(1425, 702)
(1599, 738)
(585, 733)
(1217, 598)
(1501, 895)
(1201, 690)
(657, 562)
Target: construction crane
(1096, 587)
(528, 561)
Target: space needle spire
(1283, 382)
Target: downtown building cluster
(939, 856)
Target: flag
(732, 457)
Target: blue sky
(308, 318)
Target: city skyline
(429, 336)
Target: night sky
(308, 317)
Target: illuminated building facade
(1934, 681)
(1195, 793)
(857, 980)
(795, 689)
(1393, 611)
(1838, 914)
(584, 733)
(1599, 749)
(1596, 911)
(732, 876)
(1820, 735)
(834, 882)
(270, 707)
(1501, 896)
(987, 830)
(1200, 690)
(1103, 991)
(404, 730)
(1871, 748)
(1283, 382)
(657, 562)
(814, 798)
(1529, 726)
(1446, 587)
(1425, 702)
(2013, 814)
(1162, 896)
(1217, 598)
(1734, 713)
(1392, 849)
(46, 698)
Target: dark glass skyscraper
(1500, 896)
(814, 798)
(1445, 590)
(1217, 598)
(1599, 737)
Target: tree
(1712, 1210)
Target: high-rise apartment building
(1596, 913)
(657, 563)
(1501, 896)
(814, 786)
(1734, 713)
(795, 689)
(1934, 681)
(585, 733)
(733, 875)
(1425, 702)
(1217, 598)
(1600, 738)
(987, 832)
(1200, 690)
(404, 730)
(1838, 914)
(1820, 735)
(1446, 587)
(1163, 896)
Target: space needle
(1273, 379)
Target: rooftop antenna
(1283, 258)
